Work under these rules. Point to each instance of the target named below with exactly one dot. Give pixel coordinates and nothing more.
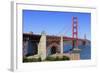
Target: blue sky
(56, 23)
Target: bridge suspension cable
(64, 30)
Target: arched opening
(32, 48)
(53, 50)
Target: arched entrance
(53, 49)
(31, 48)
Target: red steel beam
(75, 31)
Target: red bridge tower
(75, 32)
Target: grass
(48, 58)
(57, 58)
(25, 59)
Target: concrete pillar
(42, 46)
(75, 55)
(61, 44)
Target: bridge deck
(49, 37)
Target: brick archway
(54, 48)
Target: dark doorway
(53, 50)
(32, 48)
